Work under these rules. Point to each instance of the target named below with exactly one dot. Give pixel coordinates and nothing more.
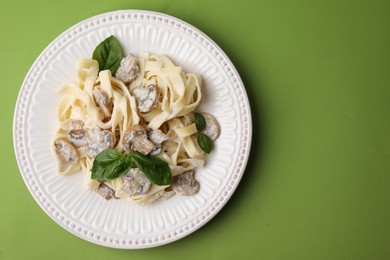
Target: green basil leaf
(200, 122)
(155, 169)
(109, 164)
(205, 143)
(108, 54)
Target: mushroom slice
(106, 192)
(146, 97)
(185, 184)
(77, 135)
(103, 102)
(135, 182)
(135, 139)
(66, 152)
(76, 124)
(98, 140)
(157, 137)
(128, 69)
(212, 128)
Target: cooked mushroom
(146, 97)
(76, 124)
(135, 182)
(185, 184)
(98, 140)
(66, 152)
(102, 101)
(76, 134)
(212, 128)
(128, 69)
(157, 137)
(106, 192)
(135, 139)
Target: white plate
(119, 223)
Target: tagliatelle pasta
(97, 112)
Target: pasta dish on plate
(129, 123)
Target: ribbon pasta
(180, 94)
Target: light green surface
(317, 185)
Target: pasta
(98, 112)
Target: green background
(317, 185)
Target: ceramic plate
(120, 223)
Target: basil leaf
(205, 143)
(109, 164)
(200, 122)
(108, 54)
(155, 169)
